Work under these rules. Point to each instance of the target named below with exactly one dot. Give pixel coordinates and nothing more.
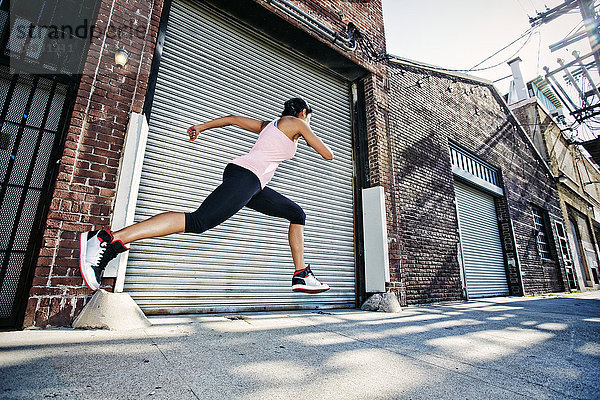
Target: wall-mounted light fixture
(121, 57)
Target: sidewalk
(499, 348)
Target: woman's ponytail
(294, 106)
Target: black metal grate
(5, 301)
(10, 204)
(20, 95)
(42, 92)
(24, 156)
(42, 159)
(32, 120)
(56, 107)
(10, 283)
(10, 133)
(4, 85)
(27, 219)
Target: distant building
(578, 181)
(475, 205)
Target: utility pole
(587, 109)
(549, 15)
(586, 8)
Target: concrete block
(372, 303)
(389, 303)
(113, 311)
(386, 302)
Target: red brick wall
(85, 188)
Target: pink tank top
(271, 148)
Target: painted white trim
(477, 181)
(377, 261)
(127, 189)
(461, 256)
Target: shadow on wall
(428, 218)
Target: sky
(458, 34)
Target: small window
(543, 240)
(564, 243)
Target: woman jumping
(244, 184)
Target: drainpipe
(346, 43)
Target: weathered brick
(424, 118)
(94, 143)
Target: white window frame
(544, 232)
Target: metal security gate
(33, 113)
(212, 66)
(483, 258)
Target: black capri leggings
(241, 187)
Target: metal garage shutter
(212, 66)
(483, 258)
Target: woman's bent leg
(238, 187)
(272, 203)
(98, 248)
(159, 225)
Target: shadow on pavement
(492, 348)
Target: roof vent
(518, 90)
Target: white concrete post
(127, 189)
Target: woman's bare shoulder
(289, 121)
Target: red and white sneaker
(305, 281)
(96, 249)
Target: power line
(521, 5)
(389, 56)
(527, 32)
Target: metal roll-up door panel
(212, 66)
(483, 258)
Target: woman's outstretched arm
(249, 124)
(314, 141)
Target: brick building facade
(578, 190)
(403, 119)
(86, 181)
(85, 187)
(428, 111)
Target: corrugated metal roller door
(483, 258)
(211, 67)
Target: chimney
(518, 90)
